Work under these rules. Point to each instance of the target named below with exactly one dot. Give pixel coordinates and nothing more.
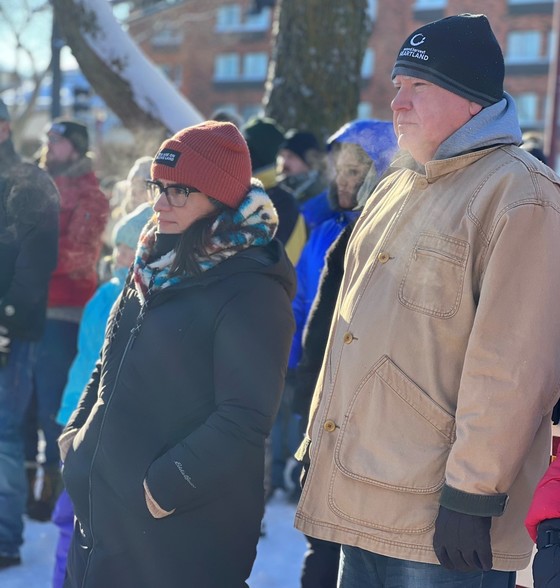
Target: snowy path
(278, 563)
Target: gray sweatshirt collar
(494, 125)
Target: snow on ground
(278, 564)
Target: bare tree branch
(132, 87)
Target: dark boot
(41, 509)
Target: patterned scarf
(253, 223)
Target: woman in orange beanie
(163, 458)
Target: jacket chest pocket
(434, 276)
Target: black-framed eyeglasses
(176, 194)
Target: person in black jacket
(321, 561)
(164, 456)
(29, 204)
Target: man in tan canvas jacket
(430, 424)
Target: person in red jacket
(543, 524)
(84, 211)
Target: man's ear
(74, 154)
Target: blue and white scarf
(254, 223)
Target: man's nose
(400, 101)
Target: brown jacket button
(383, 257)
(348, 338)
(329, 426)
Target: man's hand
(462, 541)
(4, 346)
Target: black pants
(320, 566)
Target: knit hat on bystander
(264, 136)
(459, 53)
(212, 157)
(300, 143)
(73, 130)
(128, 228)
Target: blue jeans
(362, 569)
(55, 352)
(15, 391)
(285, 438)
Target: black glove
(4, 346)
(556, 413)
(462, 541)
(546, 565)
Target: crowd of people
(380, 304)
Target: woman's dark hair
(194, 243)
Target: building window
(226, 67)
(527, 108)
(231, 19)
(372, 10)
(166, 36)
(228, 17)
(551, 45)
(368, 64)
(429, 4)
(255, 66)
(523, 47)
(259, 22)
(521, 7)
(429, 10)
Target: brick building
(217, 52)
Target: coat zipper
(131, 338)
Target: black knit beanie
(300, 143)
(459, 53)
(264, 136)
(73, 130)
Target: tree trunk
(314, 79)
(131, 86)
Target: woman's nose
(160, 203)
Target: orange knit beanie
(212, 157)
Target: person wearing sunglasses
(164, 456)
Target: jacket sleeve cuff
(65, 442)
(481, 505)
(155, 509)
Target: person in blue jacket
(90, 340)
(356, 147)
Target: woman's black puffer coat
(182, 398)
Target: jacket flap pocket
(394, 435)
(417, 399)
